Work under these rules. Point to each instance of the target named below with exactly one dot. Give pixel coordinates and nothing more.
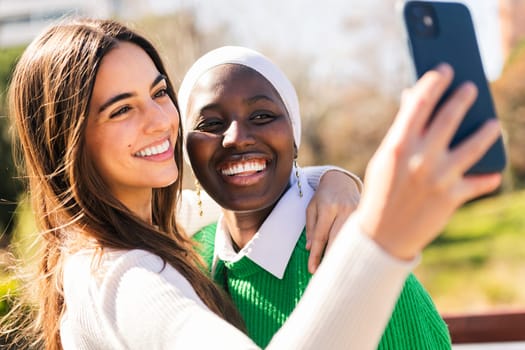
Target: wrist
(353, 227)
(393, 243)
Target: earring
(298, 180)
(199, 200)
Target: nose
(237, 135)
(159, 119)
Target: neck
(242, 226)
(138, 203)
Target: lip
(159, 157)
(251, 162)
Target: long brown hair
(49, 97)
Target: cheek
(108, 146)
(200, 150)
(100, 150)
(282, 139)
(172, 111)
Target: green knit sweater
(265, 302)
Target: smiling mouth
(154, 150)
(244, 168)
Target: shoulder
(101, 292)
(87, 264)
(121, 276)
(206, 235)
(414, 289)
(205, 243)
(125, 296)
(415, 300)
(196, 211)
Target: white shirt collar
(272, 246)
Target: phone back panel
(452, 39)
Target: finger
(319, 242)
(311, 219)
(334, 231)
(475, 186)
(450, 115)
(314, 260)
(405, 94)
(423, 97)
(469, 151)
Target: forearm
(315, 173)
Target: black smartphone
(444, 32)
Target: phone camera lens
(428, 21)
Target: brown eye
(120, 111)
(161, 93)
(209, 125)
(263, 118)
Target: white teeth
(244, 167)
(151, 151)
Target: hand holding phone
(443, 32)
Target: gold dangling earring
(298, 180)
(199, 200)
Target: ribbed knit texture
(265, 301)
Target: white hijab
(249, 58)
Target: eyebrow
(125, 95)
(256, 98)
(248, 101)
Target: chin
(165, 181)
(245, 204)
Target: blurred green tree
(10, 187)
(509, 97)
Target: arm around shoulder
(315, 173)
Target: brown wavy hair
(49, 97)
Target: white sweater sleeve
(140, 303)
(314, 174)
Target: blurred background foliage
(10, 188)
(479, 261)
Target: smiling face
(132, 126)
(240, 139)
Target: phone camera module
(422, 19)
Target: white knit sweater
(134, 301)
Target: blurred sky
(360, 40)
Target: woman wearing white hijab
(242, 131)
(310, 175)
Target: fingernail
(443, 68)
(468, 88)
(494, 122)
